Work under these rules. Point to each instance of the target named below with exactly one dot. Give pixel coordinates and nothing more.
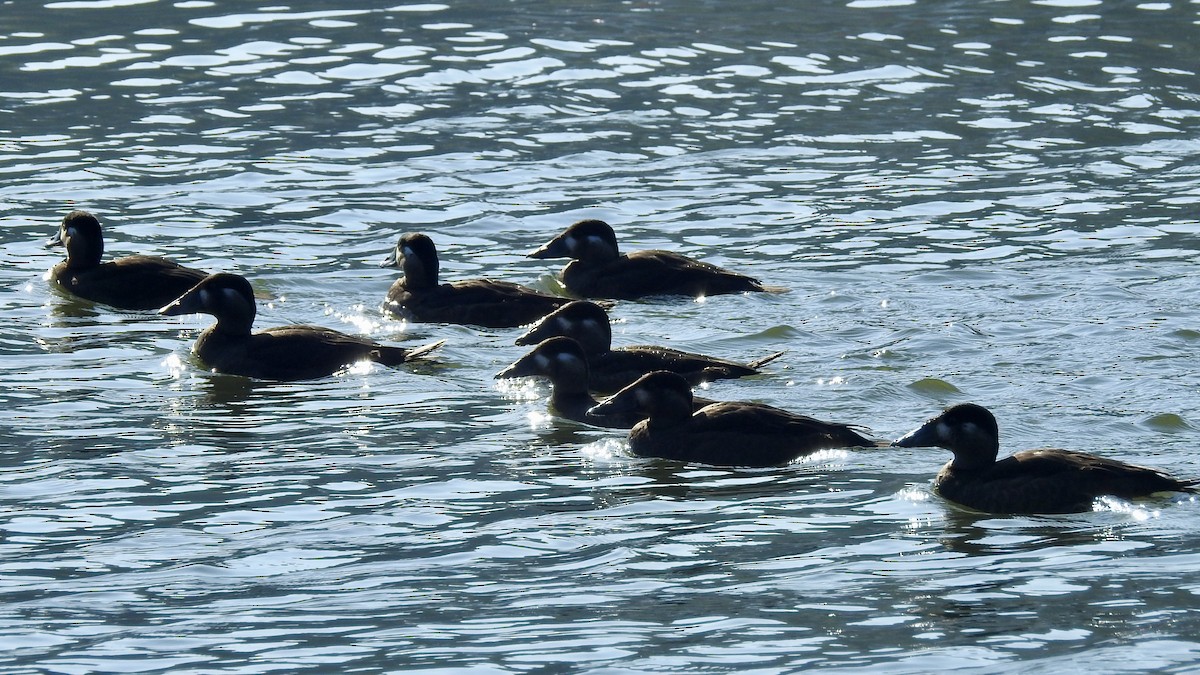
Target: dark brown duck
(134, 282)
(599, 270)
(419, 296)
(281, 353)
(728, 433)
(1031, 481)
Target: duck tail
(423, 349)
(394, 356)
(758, 363)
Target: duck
(725, 433)
(562, 361)
(1041, 481)
(482, 302)
(283, 353)
(599, 270)
(611, 369)
(136, 282)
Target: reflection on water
(987, 202)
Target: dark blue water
(991, 202)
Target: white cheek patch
(595, 242)
(406, 251)
(205, 297)
(591, 326)
(942, 430)
(231, 296)
(643, 398)
(541, 361)
(565, 360)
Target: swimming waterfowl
(133, 282)
(561, 360)
(482, 302)
(728, 433)
(611, 369)
(598, 270)
(1027, 482)
(280, 353)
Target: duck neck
(975, 460)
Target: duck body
(483, 302)
(611, 369)
(284, 353)
(599, 270)
(1031, 481)
(727, 433)
(137, 282)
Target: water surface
(991, 202)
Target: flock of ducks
(572, 348)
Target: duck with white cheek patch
(727, 433)
(1031, 481)
(281, 353)
(599, 270)
(419, 296)
(137, 282)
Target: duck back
(645, 273)
(290, 352)
(479, 302)
(1051, 481)
(136, 282)
(742, 434)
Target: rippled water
(969, 201)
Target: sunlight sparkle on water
(604, 450)
(174, 365)
(1136, 511)
(358, 318)
(521, 388)
(540, 420)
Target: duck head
(228, 297)
(581, 320)
(559, 359)
(966, 429)
(417, 256)
(79, 232)
(660, 396)
(591, 240)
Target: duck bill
(555, 248)
(188, 303)
(56, 240)
(392, 260)
(537, 333)
(522, 367)
(924, 436)
(623, 402)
